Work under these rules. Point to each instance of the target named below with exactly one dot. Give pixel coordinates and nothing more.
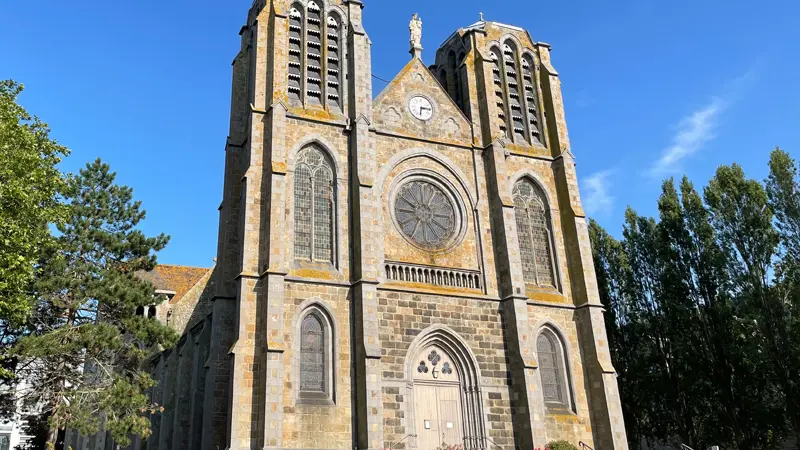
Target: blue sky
(652, 89)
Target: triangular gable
(391, 112)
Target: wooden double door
(437, 401)
(438, 415)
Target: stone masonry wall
(317, 426)
(572, 426)
(403, 316)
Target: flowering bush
(561, 445)
(450, 447)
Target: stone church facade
(402, 271)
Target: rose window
(425, 214)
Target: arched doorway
(445, 406)
(437, 400)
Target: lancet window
(314, 206)
(553, 370)
(534, 234)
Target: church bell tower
(403, 271)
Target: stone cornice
(421, 139)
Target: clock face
(421, 108)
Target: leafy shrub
(561, 445)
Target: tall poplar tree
(703, 311)
(86, 346)
(783, 192)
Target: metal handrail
(686, 447)
(477, 439)
(401, 440)
(585, 446)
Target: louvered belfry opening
(531, 106)
(516, 96)
(316, 56)
(296, 54)
(334, 36)
(513, 89)
(314, 206)
(314, 53)
(454, 86)
(499, 89)
(534, 233)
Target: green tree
(783, 193)
(29, 187)
(744, 221)
(702, 310)
(622, 320)
(87, 346)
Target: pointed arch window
(315, 369)
(553, 370)
(312, 354)
(534, 234)
(314, 206)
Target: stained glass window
(314, 207)
(426, 215)
(551, 368)
(312, 354)
(534, 233)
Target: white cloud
(698, 128)
(693, 131)
(597, 199)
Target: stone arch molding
(405, 155)
(473, 418)
(505, 38)
(383, 190)
(325, 146)
(535, 179)
(325, 4)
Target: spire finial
(482, 19)
(415, 27)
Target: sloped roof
(178, 279)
